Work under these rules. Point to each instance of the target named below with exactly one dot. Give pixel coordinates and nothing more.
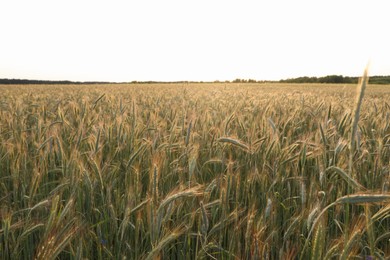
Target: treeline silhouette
(338, 79)
(327, 79)
(40, 82)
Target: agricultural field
(194, 171)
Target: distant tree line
(326, 79)
(337, 79)
(245, 81)
(42, 82)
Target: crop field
(194, 171)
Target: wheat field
(194, 171)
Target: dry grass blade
(97, 100)
(44, 143)
(139, 206)
(32, 229)
(345, 176)
(234, 142)
(363, 199)
(135, 154)
(44, 203)
(192, 192)
(381, 213)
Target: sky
(200, 40)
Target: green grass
(189, 171)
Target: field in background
(224, 171)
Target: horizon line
(237, 80)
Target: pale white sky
(192, 40)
